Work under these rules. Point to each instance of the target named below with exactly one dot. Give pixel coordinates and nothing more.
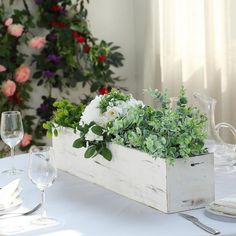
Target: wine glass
(42, 172)
(12, 133)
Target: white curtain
(192, 42)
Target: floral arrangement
(15, 72)
(170, 131)
(64, 53)
(72, 54)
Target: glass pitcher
(224, 153)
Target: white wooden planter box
(136, 175)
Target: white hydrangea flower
(91, 136)
(113, 111)
(92, 113)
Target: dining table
(85, 209)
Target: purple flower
(47, 73)
(38, 2)
(44, 107)
(54, 58)
(52, 37)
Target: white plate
(14, 204)
(219, 213)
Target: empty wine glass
(42, 172)
(12, 133)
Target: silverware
(195, 221)
(13, 214)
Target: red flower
(57, 24)
(80, 39)
(103, 91)
(61, 24)
(56, 8)
(101, 58)
(74, 34)
(86, 48)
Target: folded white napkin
(226, 205)
(9, 194)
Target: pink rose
(15, 30)
(22, 74)
(2, 68)
(8, 88)
(8, 22)
(37, 42)
(26, 140)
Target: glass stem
(43, 212)
(12, 158)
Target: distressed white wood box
(136, 175)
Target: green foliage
(162, 97)
(66, 115)
(79, 143)
(93, 137)
(111, 98)
(90, 152)
(162, 132)
(98, 130)
(106, 153)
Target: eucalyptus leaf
(37, 75)
(40, 82)
(94, 87)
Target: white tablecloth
(84, 209)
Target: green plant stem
(26, 8)
(50, 90)
(2, 3)
(77, 57)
